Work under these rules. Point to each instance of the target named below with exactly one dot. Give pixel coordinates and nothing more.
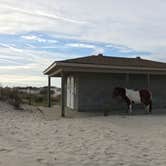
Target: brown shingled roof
(116, 61)
(102, 62)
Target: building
(39, 90)
(87, 82)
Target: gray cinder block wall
(94, 91)
(158, 88)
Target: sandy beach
(28, 139)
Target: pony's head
(118, 92)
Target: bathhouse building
(87, 82)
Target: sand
(28, 139)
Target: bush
(39, 99)
(15, 99)
(57, 99)
(5, 93)
(11, 95)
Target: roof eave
(61, 65)
(46, 71)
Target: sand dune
(27, 139)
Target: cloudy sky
(34, 33)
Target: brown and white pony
(132, 96)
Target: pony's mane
(120, 88)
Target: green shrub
(14, 98)
(39, 99)
(11, 95)
(57, 99)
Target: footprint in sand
(5, 150)
(145, 155)
(13, 132)
(19, 140)
(40, 160)
(51, 152)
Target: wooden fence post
(62, 95)
(49, 91)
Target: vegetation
(28, 95)
(11, 95)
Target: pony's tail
(150, 106)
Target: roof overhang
(58, 67)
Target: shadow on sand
(54, 113)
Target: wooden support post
(30, 96)
(148, 80)
(62, 95)
(49, 91)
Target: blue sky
(33, 34)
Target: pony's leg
(150, 106)
(130, 108)
(147, 108)
(129, 104)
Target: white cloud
(21, 80)
(11, 47)
(38, 39)
(138, 25)
(26, 69)
(40, 13)
(80, 45)
(25, 16)
(121, 48)
(96, 49)
(33, 37)
(52, 41)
